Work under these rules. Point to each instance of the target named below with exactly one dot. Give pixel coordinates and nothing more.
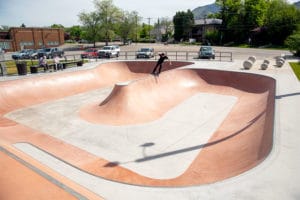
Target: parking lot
(192, 50)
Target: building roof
(208, 21)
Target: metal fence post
(3, 70)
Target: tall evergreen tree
(183, 22)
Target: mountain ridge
(202, 12)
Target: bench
(77, 62)
(34, 68)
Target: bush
(144, 40)
(293, 43)
(213, 37)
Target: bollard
(252, 58)
(265, 65)
(280, 62)
(247, 64)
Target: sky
(41, 13)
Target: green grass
(12, 68)
(296, 68)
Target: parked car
(30, 53)
(51, 52)
(206, 52)
(90, 53)
(145, 53)
(35, 54)
(23, 54)
(109, 51)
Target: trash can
(33, 70)
(80, 63)
(22, 68)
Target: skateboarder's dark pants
(159, 69)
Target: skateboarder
(162, 58)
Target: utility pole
(3, 70)
(149, 19)
(136, 29)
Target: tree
(232, 15)
(75, 32)
(129, 26)
(109, 16)
(57, 26)
(91, 26)
(255, 13)
(183, 22)
(281, 20)
(101, 23)
(293, 43)
(144, 31)
(267, 21)
(164, 29)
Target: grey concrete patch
(150, 149)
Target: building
(31, 38)
(202, 26)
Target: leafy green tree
(91, 26)
(232, 15)
(75, 32)
(255, 13)
(110, 16)
(57, 26)
(144, 31)
(183, 22)
(267, 21)
(213, 36)
(293, 42)
(128, 27)
(281, 20)
(101, 23)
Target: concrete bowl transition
(241, 141)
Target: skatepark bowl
(185, 127)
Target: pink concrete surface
(242, 141)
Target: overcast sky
(34, 13)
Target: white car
(109, 51)
(145, 53)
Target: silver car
(206, 52)
(145, 53)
